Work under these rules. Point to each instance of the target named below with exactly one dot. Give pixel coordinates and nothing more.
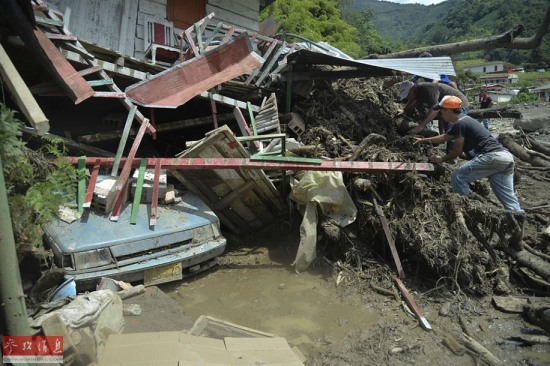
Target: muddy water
(257, 288)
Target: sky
(423, 2)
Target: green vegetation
(459, 20)
(316, 20)
(37, 182)
(524, 97)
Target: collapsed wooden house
(127, 79)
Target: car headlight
(205, 233)
(92, 258)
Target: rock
(445, 309)
(532, 121)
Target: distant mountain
(456, 20)
(400, 22)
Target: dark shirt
(485, 102)
(477, 139)
(430, 94)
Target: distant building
(489, 67)
(543, 92)
(499, 79)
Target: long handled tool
(408, 298)
(384, 223)
(423, 321)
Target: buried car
(186, 239)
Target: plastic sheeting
(324, 191)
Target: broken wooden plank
(123, 140)
(74, 84)
(61, 37)
(137, 193)
(164, 127)
(116, 95)
(227, 101)
(47, 21)
(155, 199)
(245, 130)
(90, 70)
(100, 82)
(82, 182)
(47, 54)
(177, 85)
(22, 95)
(122, 182)
(91, 185)
(234, 163)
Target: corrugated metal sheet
(429, 67)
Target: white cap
(405, 88)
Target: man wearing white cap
(428, 94)
(489, 158)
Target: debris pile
(471, 244)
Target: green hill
(457, 20)
(400, 21)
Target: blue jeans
(498, 168)
(485, 122)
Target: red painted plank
(154, 203)
(91, 184)
(236, 163)
(177, 85)
(75, 85)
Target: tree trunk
(505, 40)
(531, 261)
(522, 154)
(505, 112)
(537, 146)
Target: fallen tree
(504, 112)
(505, 40)
(518, 151)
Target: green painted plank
(252, 119)
(137, 194)
(123, 139)
(100, 82)
(81, 183)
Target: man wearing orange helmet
(489, 158)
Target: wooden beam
(91, 184)
(22, 95)
(123, 139)
(177, 85)
(155, 198)
(122, 182)
(73, 83)
(163, 127)
(137, 193)
(240, 163)
(81, 182)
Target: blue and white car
(186, 239)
